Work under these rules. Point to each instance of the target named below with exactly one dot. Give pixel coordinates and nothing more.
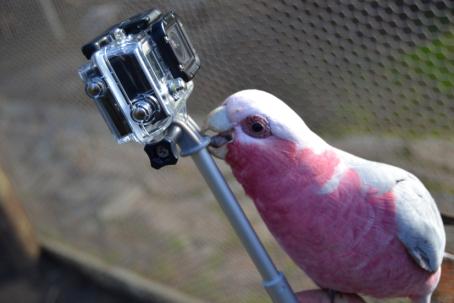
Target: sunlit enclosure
(375, 78)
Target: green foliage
(434, 61)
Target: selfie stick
(186, 135)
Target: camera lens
(178, 44)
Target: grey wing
(420, 227)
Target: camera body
(140, 75)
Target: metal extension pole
(193, 144)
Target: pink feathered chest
(344, 239)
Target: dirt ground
(56, 282)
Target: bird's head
(256, 120)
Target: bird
(354, 226)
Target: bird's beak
(218, 122)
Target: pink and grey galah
(354, 226)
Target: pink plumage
(354, 226)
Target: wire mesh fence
(374, 77)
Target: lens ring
(177, 44)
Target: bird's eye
(256, 126)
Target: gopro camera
(140, 75)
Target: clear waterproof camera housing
(140, 75)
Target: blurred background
(375, 78)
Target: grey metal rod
(193, 144)
(274, 281)
(235, 214)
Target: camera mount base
(186, 135)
